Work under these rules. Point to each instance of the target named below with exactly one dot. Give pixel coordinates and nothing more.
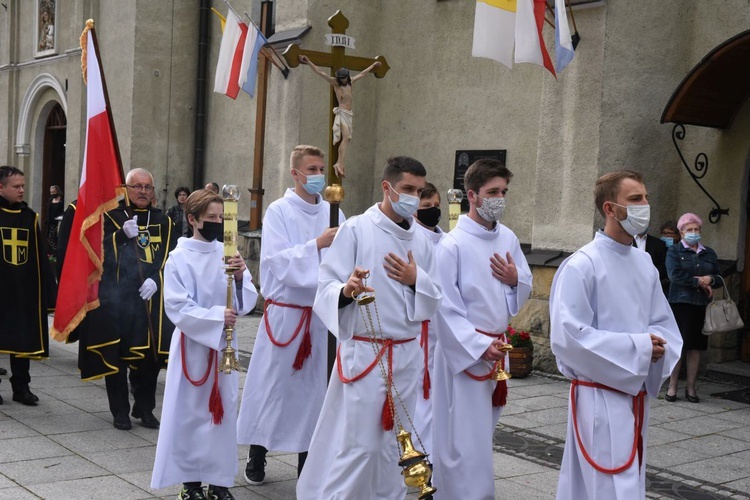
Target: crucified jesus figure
(342, 123)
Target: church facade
(638, 63)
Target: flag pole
(285, 68)
(154, 347)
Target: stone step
(733, 371)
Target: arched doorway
(53, 155)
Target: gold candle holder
(455, 196)
(500, 374)
(231, 195)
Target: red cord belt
(387, 348)
(638, 414)
(305, 347)
(215, 405)
(500, 394)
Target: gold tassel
(84, 46)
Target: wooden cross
(335, 59)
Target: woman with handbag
(693, 271)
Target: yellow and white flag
(495, 30)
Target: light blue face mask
(406, 205)
(315, 183)
(668, 240)
(692, 238)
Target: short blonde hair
(301, 151)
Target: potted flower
(522, 355)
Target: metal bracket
(700, 166)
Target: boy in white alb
(614, 336)
(286, 379)
(485, 280)
(352, 454)
(198, 437)
(427, 217)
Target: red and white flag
(101, 185)
(229, 68)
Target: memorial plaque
(464, 158)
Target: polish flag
(229, 68)
(530, 45)
(101, 185)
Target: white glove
(130, 228)
(148, 288)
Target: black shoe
(670, 398)
(122, 422)
(148, 420)
(255, 470)
(692, 399)
(218, 493)
(194, 493)
(25, 397)
(3, 371)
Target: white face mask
(406, 204)
(492, 209)
(638, 219)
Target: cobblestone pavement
(66, 447)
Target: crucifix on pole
(336, 59)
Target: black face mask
(430, 217)
(212, 231)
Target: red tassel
(215, 405)
(304, 351)
(387, 418)
(500, 394)
(426, 384)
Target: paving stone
(96, 487)
(543, 402)
(16, 493)
(701, 426)
(29, 448)
(671, 412)
(50, 470)
(545, 483)
(64, 424)
(46, 408)
(125, 460)
(741, 416)
(6, 482)
(742, 433)
(506, 467)
(557, 431)
(658, 435)
(101, 440)
(718, 470)
(142, 480)
(713, 445)
(10, 428)
(669, 455)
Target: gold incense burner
(416, 469)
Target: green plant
(518, 338)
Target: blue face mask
(668, 240)
(692, 238)
(406, 205)
(315, 183)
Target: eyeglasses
(140, 187)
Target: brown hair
(7, 171)
(429, 191)
(198, 202)
(301, 151)
(482, 171)
(608, 186)
(397, 166)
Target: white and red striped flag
(101, 185)
(229, 68)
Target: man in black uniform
(130, 329)
(27, 286)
